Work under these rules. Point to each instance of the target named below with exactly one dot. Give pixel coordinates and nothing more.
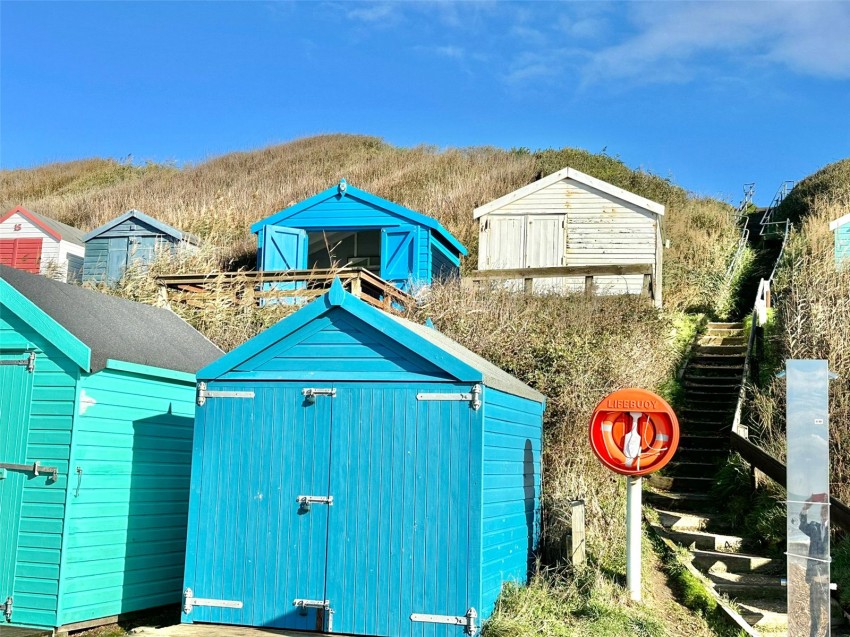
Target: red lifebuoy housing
(634, 432)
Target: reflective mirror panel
(808, 497)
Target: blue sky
(710, 94)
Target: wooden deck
(251, 288)
(217, 630)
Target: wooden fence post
(588, 285)
(577, 546)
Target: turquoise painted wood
(435, 502)
(15, 397)
(110, 539)
(413, 249)
(842, 244)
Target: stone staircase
(681, 494)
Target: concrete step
(716, 360)
(698, 502)
(767, 615)
(748, 585)
(734, 562)
(703, 369)
(693, 468)
(682, 520)
(707, 414)
(705, 541)
(721, 350)
(716, 325)
(707, 402)
(694, 484)
(703, 441)
(695, 454)
(714, 386)
(723, 340)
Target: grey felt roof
(115, 328)
(494, 376)
(68, 233)
(163, 227)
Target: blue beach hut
(358, 473)
(97, 405)
(344, 225)
(132, 239)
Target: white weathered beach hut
(570, 231)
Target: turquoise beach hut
(97, 404)
(358, 473)
(346, 226)
(841, 229)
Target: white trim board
(580, 177)
(839, 222)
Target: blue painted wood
(355, 210)
(511, 491)
(109, 252)
(435, 503)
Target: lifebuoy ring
(634, 432)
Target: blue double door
(340, 513)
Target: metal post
(634, 486)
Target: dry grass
(219, 199)
(813, 321)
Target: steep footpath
(682, 494)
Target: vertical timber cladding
(16, 382)
(401, 497)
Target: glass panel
(808, 498)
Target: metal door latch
(190, 601)
(324, 612)
(473, 396)
(35, 468)
(306, 501)
(310, 393)
(203, 394)
(468, 621)
(7, 608)
(28, 362)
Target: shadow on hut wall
(528, 487)
(157, 514)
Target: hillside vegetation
(572, 348)
(812, 315)
(220, 198)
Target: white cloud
(374, 12)
(449, 51)
(676, 41)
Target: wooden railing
(252, 288)
(528, 275)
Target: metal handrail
(778, 198)
(742, 244)
(762, 300)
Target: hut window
(341, 248)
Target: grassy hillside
(574, 349)
(812, 314)
(220, 198)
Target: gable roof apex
(344, 189)
(436, 347)
(576, 175)
(835, 225)
(56, 229)
(163, 227)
